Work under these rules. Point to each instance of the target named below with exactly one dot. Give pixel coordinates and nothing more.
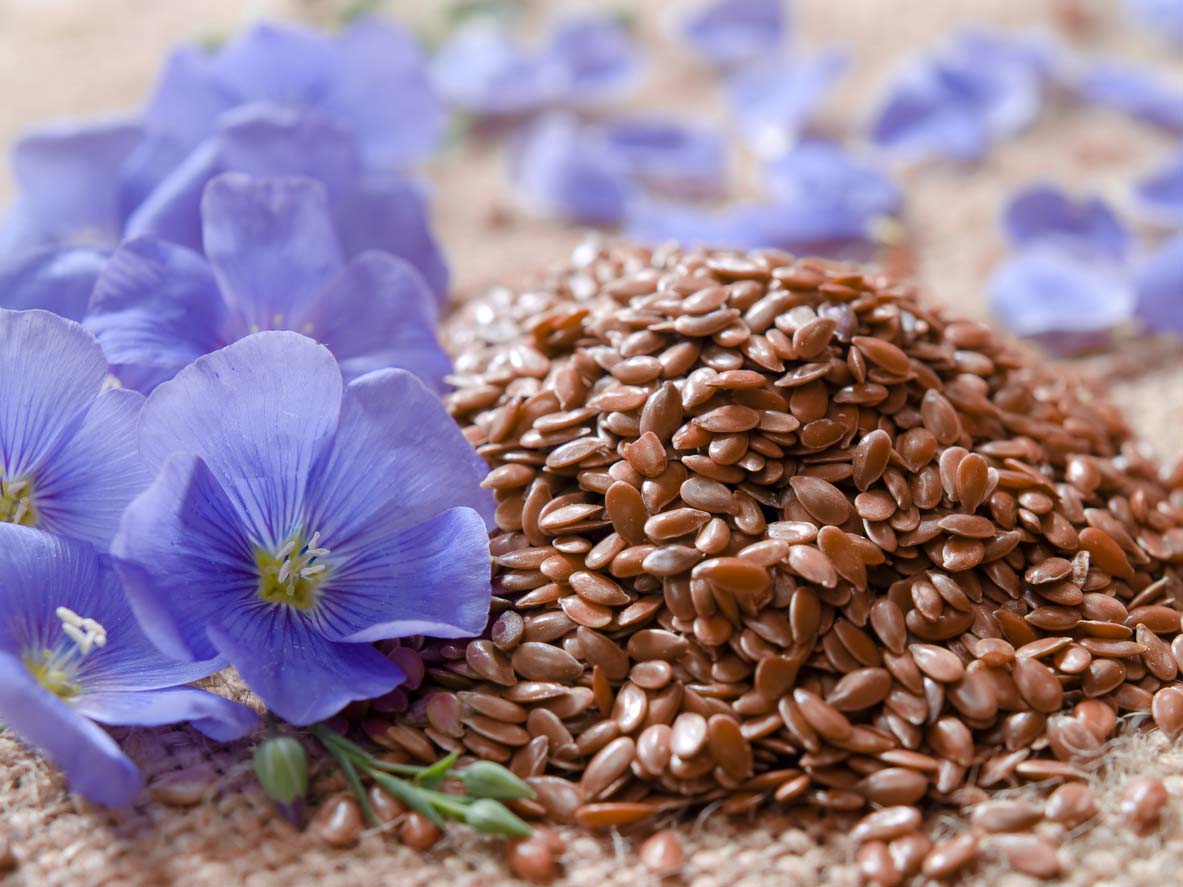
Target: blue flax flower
(72, 657)
(1160, 195)
(773, 101)
(958, 101)
(371, 209)
(272, 261)
(484, 71)
(242, 108)
(729, 33)
(1043, 214)
(1136, 91)
(57, 280)
(69, 462)
(1160, 288)
(591, 174)
(824, 201)
(1060, 298)
(304, 518)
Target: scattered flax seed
(775, 530)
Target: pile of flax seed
(774, 531)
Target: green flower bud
(282, 769)
(484, 779)
(493, 818)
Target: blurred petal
(729, 32)
(68, 176)
(187, 99)
(51, 370)
(182, 536)
(172, 209)
(1139, 92)
(271, 244)
(430, 579)
(380, 313)
(218, 718)
(387, 212)
(1160, 195)
(93, 763)
(669, 155)
(1045, 215)
(298, 674)
(480, 70)
(83, 490)
(1163, 18)
(378, 59)
(57, 280)
(559, 171)
(414, 451)
(845, 195)
(276, 62)
(258, 412)
(774, 100)
(1160, 288)
(1060, 298)
(155, 310)
(655, 223)
(599, 54)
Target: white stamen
(285, 570)
(287, 549)
(22, 508)
(85, 633)
(312, 571)
(14, 487)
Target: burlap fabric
(60, 59)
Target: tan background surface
(70, 57)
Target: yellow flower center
(56, 669)
(293, 574)
(16, 501)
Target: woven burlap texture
(231, 836)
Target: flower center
(16, 501)
(292, 574)
(56, 669)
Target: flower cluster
(238, 457)
(276, 100)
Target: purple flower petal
(599, 55)
(1045, 215)
(774, 100)
(220, 719)
(51, 370)
(271, 244)
(57, 280)
(417, 452)
(300, 676)
(258, 430)
(184, 531)
(42, 572)
(1139, 92)
(370, 210)
(844, 193)
(557, 171)
(1163, 18)
(727, 33)
(67, 177)
(655, 223)
(390, 213)
(430, 579)
(1060, 299)
(93, 763)
(1160, 195)
(481, 70)
(1160, 288)
(975, 90)
(396, 329)
(377, 59)
(83, 490)
(155, 310)
(668, 155)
